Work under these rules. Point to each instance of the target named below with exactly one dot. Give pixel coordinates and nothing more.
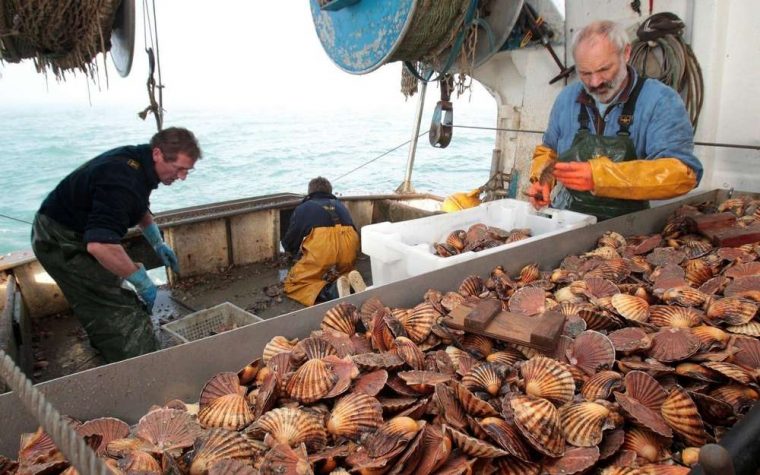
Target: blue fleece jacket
(660, 129)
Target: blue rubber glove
(145, 287)
(153, 236)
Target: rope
(64, 436)
(379, 156)
(661, 53)
(156, 107)
(14, 219)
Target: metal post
(406, 185)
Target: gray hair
(611, 30)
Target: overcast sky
(226, 54)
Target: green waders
(116, 321)
(619, 148)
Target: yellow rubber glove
(542, 155)
(657, 179)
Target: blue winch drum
(359, 36)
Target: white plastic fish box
(210, 321)
(405, 249)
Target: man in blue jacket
(323, 237)
(77, 233)
(615, 140)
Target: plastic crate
(405, 249)
(203, 323)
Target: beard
(608, 89)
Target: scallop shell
(665, 255)
(219, 444)
(667, 277)
(528, 301)
(678, 317)
(475, 447)
(278, 344)
(449, 407)
(698, 372)
(312, 381)
(698, 272)
(695, 249)
(630, 339)
(311, 348)
(645, 390)
(716, 285)
(597, 287)
(342, 318)
(355, 414)
(645, 444)
(293, 427)
(631, 307)
(470, 403)
(750, 329)
(107, 428)
(748, 355)
(740, 270)
(409, 352)
(546, 378)
(731, 310)
(600, 320)
(282, 459)
(456, 239)
(710, 337)
(231, 467)
(376, 361)
(673, 344)
(419, 321)
(393, 433)
(744, 287)
(436, 447)
(612, 239)
(575, 460)
(472, 286)
(230, 411)
(739, 397)
(140, 462)
(168, 429)
(483, 377)
(345, 370)
(478, 345)
(614, 269)
(220, 385)
(538, 421)
(685, 296)
(592, 352)
(583, 423)
(681, 415)
(731, 371)
(247, 374)
(601, 385)
(603, 252)
(423, 381)
(507, 436)
(713, 410)
(515, 466)
(529, 273)
(507, 356)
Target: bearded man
(615, 140)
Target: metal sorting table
(127, 389)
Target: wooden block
(705, 222)
(482, 314)
(735, 236)
(547, 331)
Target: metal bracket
(336, 5)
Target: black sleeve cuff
(106, 236)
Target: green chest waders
(619, 148)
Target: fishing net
(59, 35)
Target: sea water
(245, 153)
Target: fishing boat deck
(61, 347)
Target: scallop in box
(408, 248)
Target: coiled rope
(661, 53)
(71, 444)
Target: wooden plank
(734, 236)
(253, 237)
(704, 222)
(541, 332)
(482, 315)
(42, 295)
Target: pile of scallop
(478, 237)
(659, 356)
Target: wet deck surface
(61, 347)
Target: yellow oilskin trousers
(323, 248)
